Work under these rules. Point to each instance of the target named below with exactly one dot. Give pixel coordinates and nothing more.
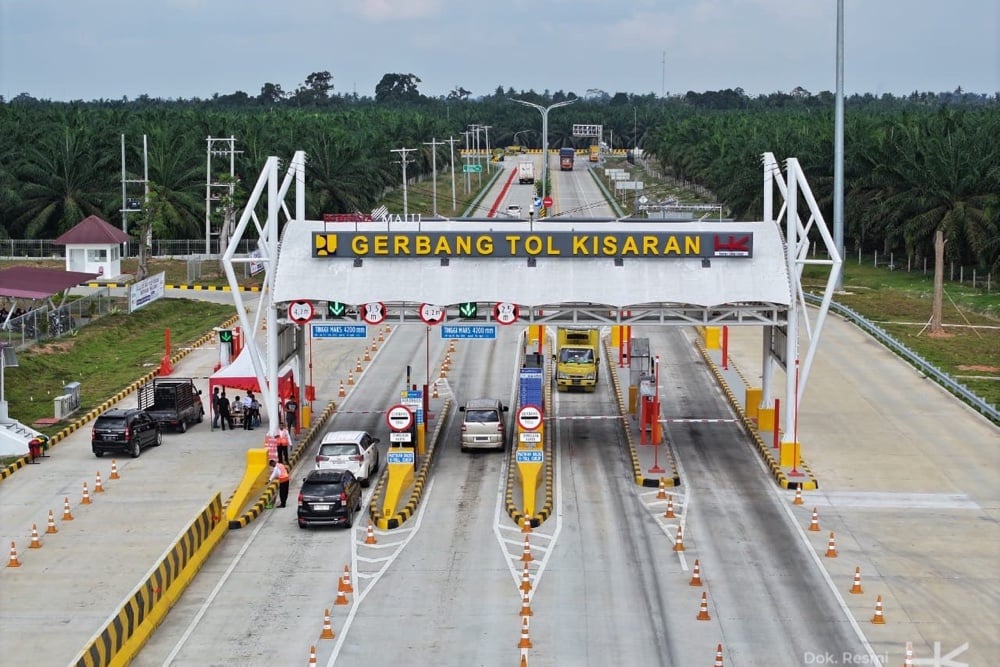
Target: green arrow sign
(472, 168)
(226, 336)
(336, 308)
(470, 309)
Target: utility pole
(219, 190)
(403, 160)
(451, 143)
(468, 179)
(133, 204)
(434, 143)
(838, 146)
(489, 157)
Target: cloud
(394, 10)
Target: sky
(110, 49)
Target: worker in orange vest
(279, 473)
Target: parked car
(483, 424)
(350, 450)
(128, 430)
(173, 402)
(329, 497)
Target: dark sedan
(329, 497)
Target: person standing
(225, 417)
(292, 414)
(284, 439)
(279, 473)
(248, 411)
(215, 408)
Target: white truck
(525, 172)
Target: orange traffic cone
(525, 638)
(370, 537)
(374, 347)
(669, 514)
(798, 496)
(524, 657)
(98, 487)
(357, 367)
(662, 493)
(52, 524)
(447, 362)
(718, 656)
(435, 392)
(341, 599)
(35, 542)
(13, 562)
(443, 374)
(327, 628)
(679, 540)
(814, 523)
(86, 495)
(526, 605)
(368, 356)
(381, 336)
(831, 547)
(703, 609)
(526, 556)
(878, 618)
(525, 524)
(67, 515)
(525, 579)
(350, 378)
(856, 587)
(343, 392)
(114, 470)
(908, 658)
(451, 346)
(345, 581)
(312, 655)
(695, 575)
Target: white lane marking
(890, 500)
(211, 598)
(418, 519)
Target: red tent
(240, 375)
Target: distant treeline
(913, 164)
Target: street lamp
(545, 134)
(514, 140)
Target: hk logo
(733, 247)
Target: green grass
(104, 356)
(900, 302)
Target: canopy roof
(26, 282)
(240, 375)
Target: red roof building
(94, 246)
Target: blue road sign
(400, 457)
(469, 331)
(339, 331)
(530, 456)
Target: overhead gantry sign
(652, 245)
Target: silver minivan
(483, 425)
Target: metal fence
(45, 322)
(166, 248)
(953, 273)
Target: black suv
(124, 431)
(329, 497)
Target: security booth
(640, 364)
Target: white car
(514, 211)
(350, 450)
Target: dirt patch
(979, 369)
(54, 347)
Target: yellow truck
(578, 358)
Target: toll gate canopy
(579, 271)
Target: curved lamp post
(545, 134)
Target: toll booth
(640, 364)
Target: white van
(484, 424)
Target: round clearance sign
(399, 418)
(529, 417)
(300, 312)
